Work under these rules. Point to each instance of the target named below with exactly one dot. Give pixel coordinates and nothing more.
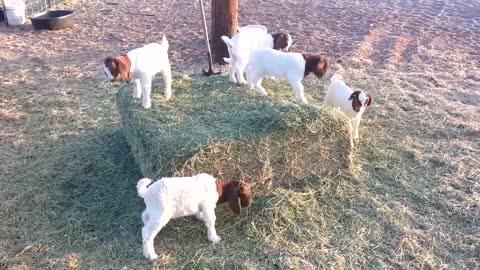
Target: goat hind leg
(249, 79)
(199, 215)
(149, 231)
(147, 90)
(145, 217)
(167, 77)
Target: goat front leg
(208, 215)
(149, 231)
(147, 90)
(298, 90)
(231, 75)
(258, 87)
(137, 91)
(241, 78)
(167, 77)
(355, 124)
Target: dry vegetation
(215, 127)
(67, 177)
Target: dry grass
(213, 126)
(67, 178)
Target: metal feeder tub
(52, 20)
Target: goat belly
(186, 207)
(183, 213)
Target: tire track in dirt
(384, 52)
(365, 49)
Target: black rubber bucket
(52, 20)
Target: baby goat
(183, 196)
(291, 66)
(352, 103)
(248, 38)
(141, 65)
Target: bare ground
(417, 200)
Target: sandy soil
(419, 59)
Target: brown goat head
(119, 67)
(357, 97)
(315, 64)
(236, 193)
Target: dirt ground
(419, 146)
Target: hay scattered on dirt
(68, 179)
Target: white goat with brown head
(197, 195)
(352, 103)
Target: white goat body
(290, 66)
(197, 195)
(352, 103)
(141, 65)
(176, 197)
(241, 44)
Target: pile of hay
(212, 126)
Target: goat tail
(336, 77)
(227, 41)
(165, 42)
(142, 186)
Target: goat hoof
(215, 239)
(153, 257)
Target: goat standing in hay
(141, 65)
(291, 66)
(352, 103)
(248, 38)
(176, 197)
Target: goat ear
(112, 66)
(123, 64)
(323, 65)
(231, 195)
(351, 96)
(369, 100)
(279, 41)
(234, 203)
